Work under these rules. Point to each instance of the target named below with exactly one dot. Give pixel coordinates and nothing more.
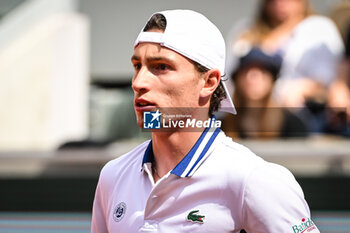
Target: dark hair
(158, 21)
(256, 57)
(219, 93)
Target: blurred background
(66, 101)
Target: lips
(142, 105)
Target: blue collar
(195, 157)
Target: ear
(211, 82)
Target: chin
(139, 119)
(140, 124)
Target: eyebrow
(134, 57)
(152, 59)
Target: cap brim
(226, 105)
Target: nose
(141, 81)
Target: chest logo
(194, 217)
(119, 211)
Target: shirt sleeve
(274, 202)
(98, 223)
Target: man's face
(163, 78)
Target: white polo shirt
(219, 186)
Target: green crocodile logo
(193, 217)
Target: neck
(169, 148)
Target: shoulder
(318, 19)
(125, 163)
(318, 24)
(240, 159)
(273, 199)
(248, 168)
(270, 177)
(317, 34)
(231, 150)
(236, 160)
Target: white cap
(195, 37)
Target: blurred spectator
(259, 116)
(340, 14)
(338, 117)
(339, 92)
(310, 45)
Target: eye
(137, 66)
(162, 67)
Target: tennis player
(191, 180)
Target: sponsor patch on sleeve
(305, 225)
